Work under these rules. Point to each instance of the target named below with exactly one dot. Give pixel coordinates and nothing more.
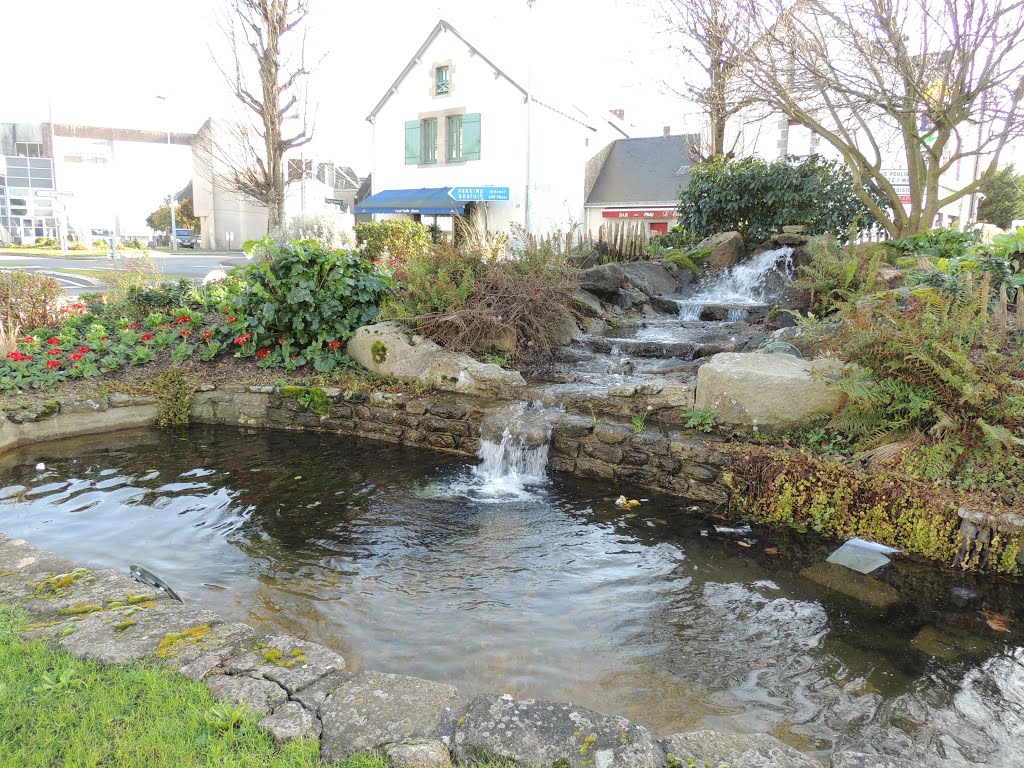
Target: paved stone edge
(303, 689)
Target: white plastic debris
(862, 555)
(40, 467)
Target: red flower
(335, 344)
(184, 333)
(262, 353)
(75, 357)
(52, 341)
(280, 341)
(164, 326)
(28, 340)
(207, 335)
(146, 337)
(225, 310)
(18, 356)
(53, 352)
(103, 338)
(184, 319)
(231, 320)
(243, 338)
(84, 349)
(132, 326)
(53, 363)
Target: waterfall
(752, 282)
(514, 443)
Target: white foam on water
(744, 284)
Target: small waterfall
(752, 282)
(514, 443)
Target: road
(193, 266)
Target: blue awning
(430, 201)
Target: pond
(407, 561)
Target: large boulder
(766, 391)
(723, 250)
(391, 349)
(538, 733)
(734, 750)
(610, 281)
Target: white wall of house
(559, 150)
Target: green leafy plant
(392, 241)
(702, 419)
(225, 717)
(311, 297)
(639, 421)
(29, 300)
(758, 199)
(65, 680)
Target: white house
(455, 135)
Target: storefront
(658, 220)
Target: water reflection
(367, 548)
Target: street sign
(470, 194)
(333, 201)
(45, 193)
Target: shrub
(313, 297)
(758, 199)
(465, 298)
(392, 240)
(29, 300)
(77, 246)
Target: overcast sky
(103, 62)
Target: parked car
(185, 238)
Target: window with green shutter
(441, 81)
(471, 136)
(412, 142)
(463, 137)
(428, 140)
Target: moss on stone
(174, 643)
(56, 584)
(122, 626)
(277, 657)
(80, 608)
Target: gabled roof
(444, 26)
(643, 172)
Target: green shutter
(471, 136)
(412, 142)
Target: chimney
(666, 131)
(619, 113)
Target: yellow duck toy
(623, 503)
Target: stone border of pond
(694, 466)
(303, 690)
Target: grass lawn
(59, 712)
(108, 276)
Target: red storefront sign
(639, 213)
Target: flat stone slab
(291, 663)
(871, 592)
(951, 643)
(291, 721)
(425, 754)
(260, 696)
(375, 709)
(735, 750)
(534, 733)
(312, 696)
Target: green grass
(56, 254)
(107, 275)
(59, 712)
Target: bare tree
(932, 86)
(711, 38)
(268, 74)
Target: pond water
(407, 561)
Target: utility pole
(529, 123)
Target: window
(28, 149)
(463, 137)
(421, 141)
(428, 140)
(454, 133)
(441, 80)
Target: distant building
(83, 177)
(228, 217)
(452, 137)
(638, 181)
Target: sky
(104, 62)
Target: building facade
(456, 136)
(27, 204)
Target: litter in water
(742, 530)
(623, 503)
(139, 573)
(40, 467)
(861, 555)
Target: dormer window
(441, 80)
